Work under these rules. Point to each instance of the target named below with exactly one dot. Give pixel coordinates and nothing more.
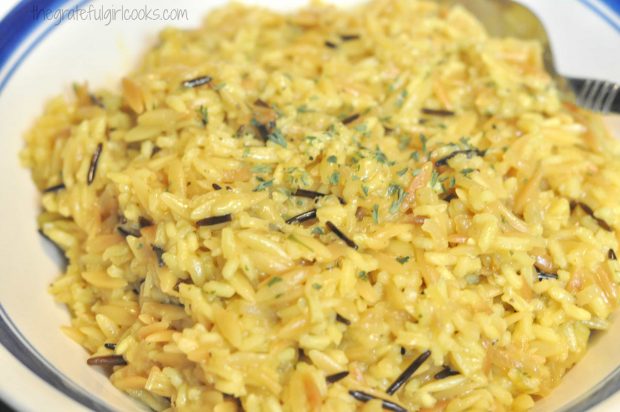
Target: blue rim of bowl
(612, 5)
(16, 29)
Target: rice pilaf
(379, 207)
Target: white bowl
(41, 369)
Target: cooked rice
(478, 258)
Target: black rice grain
(197, 82)
(302, 217)
(404, 377)
(336, 377)
(438, 112)
(55, 188)
(366, 397)
(94, 162)
(108, 360)
(341, 235)
(214, 220)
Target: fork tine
(597, 101)
(589, 101)
(613, 92)
(584, 91)
(596, 95)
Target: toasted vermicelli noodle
(289, 211)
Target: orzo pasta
(379, 207)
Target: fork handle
(596, 95)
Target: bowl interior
(100, 54)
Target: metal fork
(507, 18)
(597, 95)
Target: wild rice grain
(542, 275)
(159, 252)
(127, 232)
(302, 217)
(94, 162)
(262, 103)
(108, 360)
(342, 319)
(449, 195)
(214, 220)
(341, 235)
(60, 250)
(331, 45)
(336, 377)
(588, 210)
(438, 112)
(310, 194)
(351, 119)
(96, 101)
(197, 82)
(469, 153)
(349, 37)
(445, 373)
(144, 222)
(264, 129)
(404, 377)
(366, 397)
(55, 188)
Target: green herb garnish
(263, 185)
(277, 137)
(375, 213)
(318, 231)
(400, 100)
(396, 204)
(403, 142)
(380, 156)
(434, 178)
(362, 128)
(472, 279)
(403, 259)
(204, 115)
(423, 139)
(464, 141)
(261, 169)
(274, 280)
(393, 188)
(334, 178)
